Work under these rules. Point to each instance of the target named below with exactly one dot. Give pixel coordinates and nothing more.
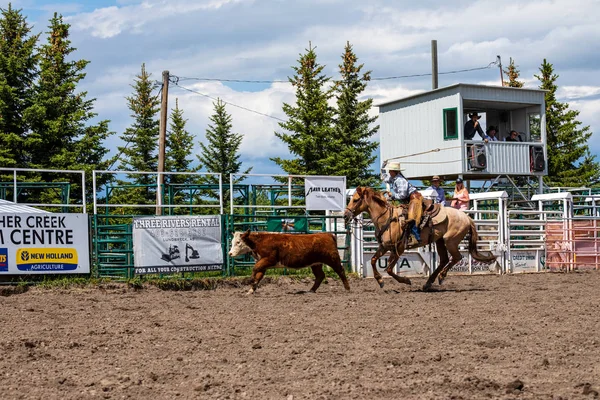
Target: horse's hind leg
(390, 270)
(317, 269)
(443, 254)
(455, 258)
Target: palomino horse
(387, 220)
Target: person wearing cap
(460, 198)
(491, 133)
(435, 185)
(472, 126)
(401, 189)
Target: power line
(439, 73)
(175, 80)
(226, 102)
(184, 78)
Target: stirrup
(412, 241)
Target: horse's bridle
(353, 211)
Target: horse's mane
(376, 195)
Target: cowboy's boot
(414, 238)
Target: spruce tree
(177, 159)
(18, 70)
(309, 121)
(140, 152)
(513, 75)
(570, 162)
(178, 147)
(220, 154)
(351, 150)
(61, 135)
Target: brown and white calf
(285, 250)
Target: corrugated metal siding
(10, 207)
(470, 92)
(508, 158)
(491, 93)
(417, 129)
(424, 97)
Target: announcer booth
(425, 132)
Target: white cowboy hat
(394, 166)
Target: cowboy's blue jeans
(415, 231)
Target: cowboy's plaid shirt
(401, 188)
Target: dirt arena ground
(507, 337)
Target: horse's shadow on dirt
(300, 292)
(450, 290)
(436, 290)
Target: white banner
(44, 244)
(165, 245)
(525, 260)
(325, 193)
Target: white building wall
(420, 129)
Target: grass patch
(200, 281)
(70, 282)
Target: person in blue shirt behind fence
(402, 190)
(435, 185)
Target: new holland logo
(3, 260)
(47, 259)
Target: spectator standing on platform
(460, 199)
(472, 126)
(435, 185)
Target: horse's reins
(378, 231)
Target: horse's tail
(473, 246)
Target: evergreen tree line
(46, 123)
(570, 161)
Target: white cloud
(576, 92)
(111, 21)
(258, 130)
(589, 116)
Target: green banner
(290, 224)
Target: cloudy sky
(262, 39)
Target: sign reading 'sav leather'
(44, 244)
(325, 193)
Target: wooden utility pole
(162, 138)
(434, 65)
(499, 60)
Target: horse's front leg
(380, 251)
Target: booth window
(450, 123)
(535, 131)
